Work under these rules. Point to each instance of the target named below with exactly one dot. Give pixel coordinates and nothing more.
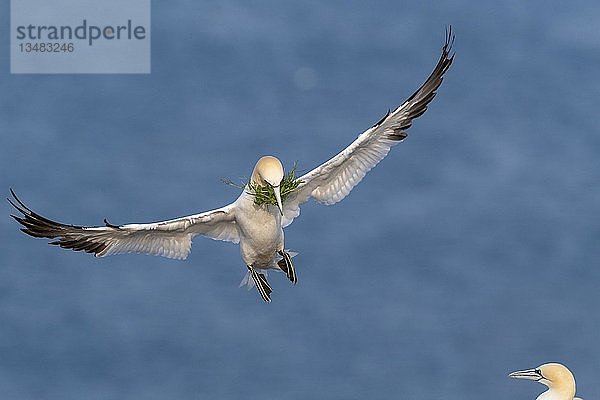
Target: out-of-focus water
(471, 251)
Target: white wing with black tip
(333, 180)
(172, 239)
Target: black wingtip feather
(417, 103)
(14, 195)
(383, 118)
(398, 136)
(109, 225)
(19, 209)
(67, 236)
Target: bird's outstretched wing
(333, 180)
(172, 239)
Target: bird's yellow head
(268, 171)
(554, 375)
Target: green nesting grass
(266, 194)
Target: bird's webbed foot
(263, 287)
(286, 265)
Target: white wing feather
(172, 239)
(333, 180)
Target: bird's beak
(277, 191)
(529, 374)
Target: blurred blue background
(469, 252)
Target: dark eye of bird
(539, 372)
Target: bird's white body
(261, 234)
(257, 228)
(553, 394)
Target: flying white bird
(267, 204)
(558, 378)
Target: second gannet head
(558, 378)
(269, 171)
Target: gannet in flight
(258, 228)
(558, 378)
